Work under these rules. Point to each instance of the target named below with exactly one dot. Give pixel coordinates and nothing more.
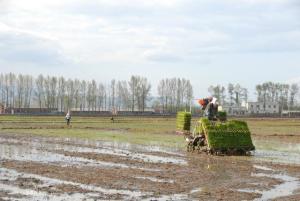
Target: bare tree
(69, 94)
(6, 90)
(294, 90)
(47, 90)
(189, 94)
(83, 89)
(89, 96)
(101, 96)
(39, 91)
(274, 92)
(218, 92)
(12, 87)
(175, 94)
(61, 93)
(133, 83)
(145, 87)
(112, 93)
(53, 92)
(161, 88)
(20, 90)
(2, 88)
(94, 95)
(77, 93)
(28, 90)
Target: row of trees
(16, 91)
(284, 94)
(234, 94)
(175, 94)
(25, 91)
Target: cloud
(130, 28)
(294, 80)
(22, 46)
(140, 33)
(162, 56)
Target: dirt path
(36, 168)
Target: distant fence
(51, 112)
(45, 112)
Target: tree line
(286, 95)
(175, 94)
(26, 91)
(234, 94)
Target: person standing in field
(68, 118)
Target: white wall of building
(252, 108)
(262, 108)
(235, 110)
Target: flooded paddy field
(140, 159)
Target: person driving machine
(210, 107)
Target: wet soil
(37, 168)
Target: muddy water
(23, 153)
(277, 156)
(185, 177)
(12, 175)
(278, 152)
(92, 191)
(36, 151)
(286, 188)
(101, 148)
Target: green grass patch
(144, 131)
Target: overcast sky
(206, 41)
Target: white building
(262, 108)
(235, 110)
(247, 108)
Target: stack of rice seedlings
(232, 135)
(183, 121)
(222, 115)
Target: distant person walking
(68, 118)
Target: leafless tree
(161, 88)
(94, 95)
(175, 94)
(112, 93)
(69, 94)
(133, 83)
(294, 90)
(77, 97)
(83, 89)
(145, 88)
(61, 93)
(39, 91)
(20, 90)
(2, 88)
(28, 90)
(101, 96)
(53, 92)
(218, 92)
